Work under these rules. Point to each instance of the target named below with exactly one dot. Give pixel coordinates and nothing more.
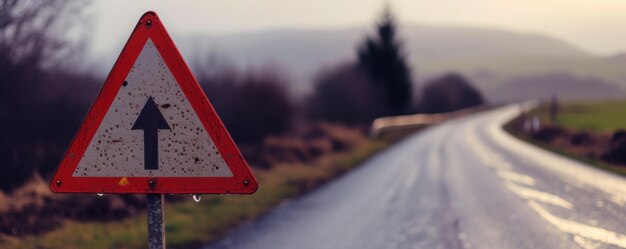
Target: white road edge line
(582, 230)
(489, 158)
(585, 243)
(531, 194)
(516, 177)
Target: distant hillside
(424, 43)
(300, 52)
(564, 85)
(620, 57)
(432, 43)
(489, 57)
(431, 49)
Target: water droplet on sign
(197, 198)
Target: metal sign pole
(156, 231)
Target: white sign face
(151, 130)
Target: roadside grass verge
(598, 117)
(190, 224)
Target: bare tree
(39, 32)
(36, 124)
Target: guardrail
(416, 121)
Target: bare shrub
(252, 106)
(449, 93)
(345, 94)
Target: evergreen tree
(381, 56)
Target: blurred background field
(596, 116)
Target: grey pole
(156, 231)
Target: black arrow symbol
(151, 120)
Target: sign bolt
(245, 183)
(58, 182)
(151, 183)
(149, 23)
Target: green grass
(191, 224)
(605, 116)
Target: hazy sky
(597, 26)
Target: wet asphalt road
(462, 184)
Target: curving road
(461, 184)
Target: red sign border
(242, 181)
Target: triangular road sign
(152, 129)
